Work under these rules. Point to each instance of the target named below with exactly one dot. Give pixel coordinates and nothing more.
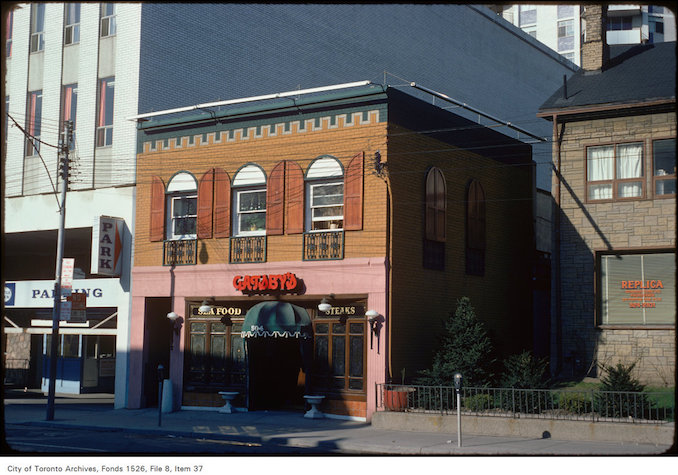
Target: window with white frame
(615, 171)
(37, 27)
(72, 24)
(664, 165)
(637, 289)
(182, 206)
(325, 195)
(249, 201)
(565, 35)
(104, 132)
(108, 23)
(33, 122)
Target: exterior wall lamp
(206, 306)
(324, 305)
(176, 320)
(374, 319)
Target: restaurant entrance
(276, 374)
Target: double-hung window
(37, 27)
(615, 171)
(108, 24)
(104, 131)
(33, 123)
(182, 204)
(527, 15)
(72, 24)
(325, 195)
(249, 201)
(565, 35)
(664, 164)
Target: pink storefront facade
(355, 285)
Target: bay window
(615, 171)
(637, 289)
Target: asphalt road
(25, 440)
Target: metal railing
(322, 246)
(247, 249)
(593, 406)
(180, 252)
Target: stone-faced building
(365, 197)
(614, 187)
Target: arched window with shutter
(475, 229)
(182, 206)
(325, 195)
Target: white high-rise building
(560, 26)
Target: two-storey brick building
(614, 134)
(364, 197)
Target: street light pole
(56, 312)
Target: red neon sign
(264, 283)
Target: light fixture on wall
(324, 304)
(374, 319)
(176, 320)
(206, 306)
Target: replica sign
(107, 243)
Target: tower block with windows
(366, 197)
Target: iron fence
(248, 249)
(321, 246)
(594, 406)
(180, 252)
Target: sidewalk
(292, 429)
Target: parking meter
(457, 381)
(161, 377)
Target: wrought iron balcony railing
(247, 249)
(321, 246)
(180, 253)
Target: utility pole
(64, 168)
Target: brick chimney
(595, 52)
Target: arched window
(475, 229)
(249, 201)
(435, 220)
(325, 195)
(182, 204)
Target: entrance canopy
(277, 319)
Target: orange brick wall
(342, 142)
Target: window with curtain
(615, 171)
(69, 107)
(664, 167)
(33, 122)
(249, 201)
(637, 289)
(8, 33)
(105, 112)
(72, 24)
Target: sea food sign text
(272, 283)
(642, 293)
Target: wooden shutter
(222, 203)
(157, 219)
(294, 198)
(353, 194)
(275, 202)
(205, 198)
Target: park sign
(107, 239)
